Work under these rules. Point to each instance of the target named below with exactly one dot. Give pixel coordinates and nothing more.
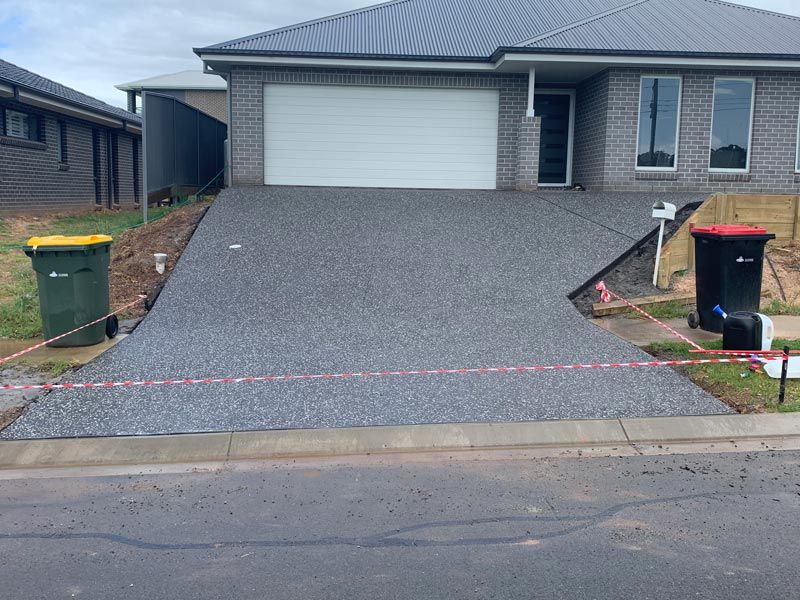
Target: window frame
(33, 124)
(61, 142)
(746, 170)
(797, 154)
(674, 168)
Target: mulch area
(132, 264)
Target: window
(21, 125)
(659, 123)
(797, 161)
(61, 141)
(732, 124)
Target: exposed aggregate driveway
(343, 280)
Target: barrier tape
(63, 335)
(376, 374)
(743, 352)
(606, 295)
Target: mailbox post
(664, 211)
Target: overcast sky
(91, 45)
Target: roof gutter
(48, 102)
(625, 58)
(347, 61)
(226, 57)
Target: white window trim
(749, 133)
(570, 131)
(674, 168)
(797, 157)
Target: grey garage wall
(246, 86)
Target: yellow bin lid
(68, 240)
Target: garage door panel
(453, 127)
(381, 137)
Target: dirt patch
(633, 276)
(7, 417)
(132, 265)
(13, 404)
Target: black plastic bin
(728, 261)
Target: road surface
(714, 526)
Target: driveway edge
(614, 434)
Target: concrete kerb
(613, 434)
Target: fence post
(784, 374)
(145, 196)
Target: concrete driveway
(332, 280)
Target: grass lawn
(677, 310)
(19, 301)
(735, 384)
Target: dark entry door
(554, 109)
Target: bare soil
(132, 264)
(633, 276)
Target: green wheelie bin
(72, 275)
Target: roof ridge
(111, 108)
(581, 22)
(303, 24)
(754, 9)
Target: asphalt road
(345, 280)
(638, 527)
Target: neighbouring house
(63, 150)
(203, 91)
(611, 94)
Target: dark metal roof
(15, 75)
(476, 29)
(695, 26)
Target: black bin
(728, 262)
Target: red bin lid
(728, 230)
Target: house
(63, 150)
(611, 94)
(200, 90)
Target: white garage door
(380, 136)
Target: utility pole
(653, 121)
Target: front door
(554, 145)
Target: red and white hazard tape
(370, 374)
(606, 295)
(63, 335)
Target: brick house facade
(34, 178)
(605, 126)
(571, 97)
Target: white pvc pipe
(658, 252)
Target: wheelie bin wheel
(693, 319)
(112, 326)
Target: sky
(92, 45)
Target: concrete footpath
(642, 332)
(662, 435)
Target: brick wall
(32, 177)
(246, 86)
(528, 154)
(211, 102)
(591, 109)
(773, 147)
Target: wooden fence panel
(780, 214)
